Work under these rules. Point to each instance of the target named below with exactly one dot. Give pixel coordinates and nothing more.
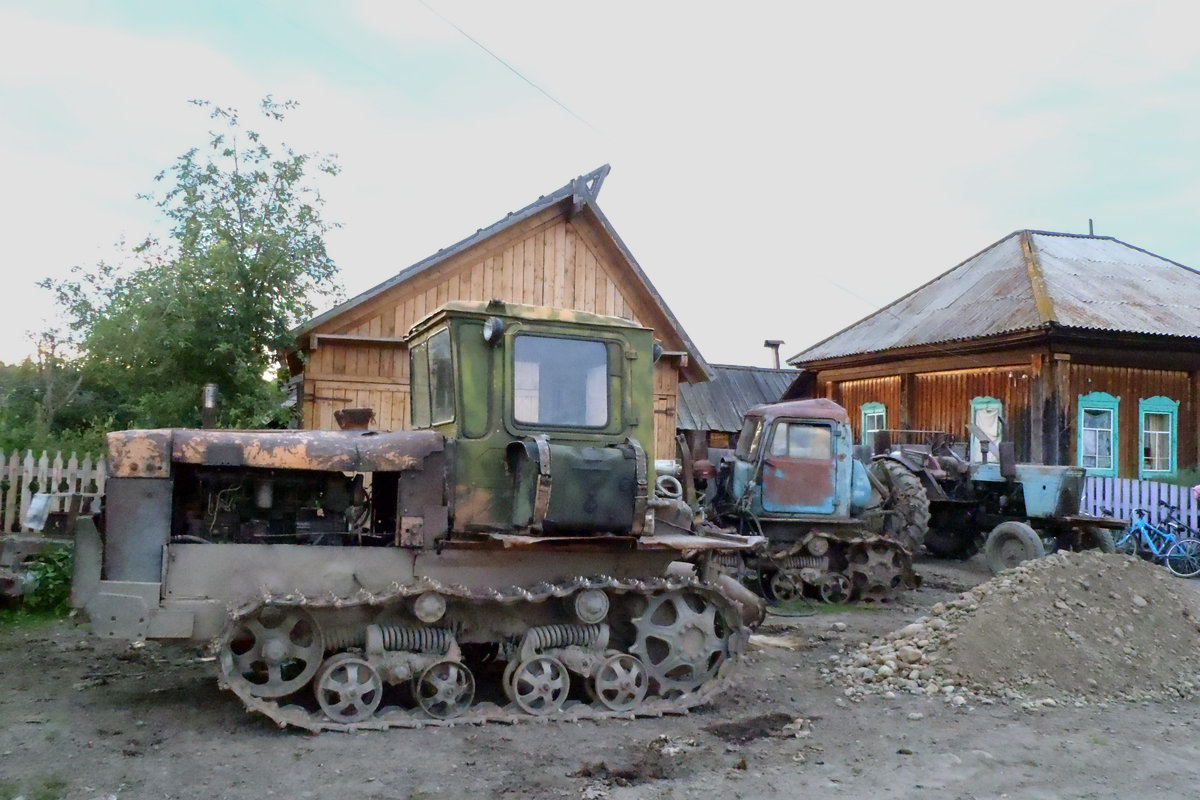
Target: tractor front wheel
(1009, 544)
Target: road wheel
(1097, 539)
(1009, 544)
(908, 520)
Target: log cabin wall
(546, 260)
(1131, 385)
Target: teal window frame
(869, 410)
(1158, 405)
(1099, 401)
(980, 403)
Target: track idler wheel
(273, 652)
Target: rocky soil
(1073, 627)
(1014, 696)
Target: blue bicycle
(1169, 542)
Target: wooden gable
(560, 252)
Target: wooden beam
(1195, 439)
(359, 341)
(908, 401)
(1041, 388)
(1061, 402)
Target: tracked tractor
(508, 558)
(837, 527)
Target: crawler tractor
(834, 529)
(507, 558)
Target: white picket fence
(21, 478)
(1122, 495)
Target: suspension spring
(550, 636)
(801, 562)
(343, 637)
(725, 559)
(422, 640)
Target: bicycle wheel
(1127, 543)
(1183, 558)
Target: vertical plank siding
(1132, 385)
(553, 263)
(851, 395)
(944, 401)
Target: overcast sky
(779, 170)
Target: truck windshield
(749, 438)
(560, 381)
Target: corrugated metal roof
(719, 404)
(1029, 280)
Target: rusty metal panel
(330, 451)
(139, 454)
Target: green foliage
(215, 302)
(51, 593)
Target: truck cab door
(799, 472)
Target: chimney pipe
(208, 406)
(773, 345)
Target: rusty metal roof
(1030, 280)
(719, 404)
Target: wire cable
(507, 65)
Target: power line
(507, 65)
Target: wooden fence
(1122, 495)
(21, 478)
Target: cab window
(560, 381)
(802, 440)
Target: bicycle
(1169, 542)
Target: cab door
(799, 473)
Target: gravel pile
(1069, 628)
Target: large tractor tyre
(1009, 544)
(960, 544)
(908, 519)
(1097, 539)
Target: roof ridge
(1037, 280)
(586, 185)
(904, 297)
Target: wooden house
(1078, 349)
(559, 251)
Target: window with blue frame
(874, 418)
(1159, 422)
(1096, 421)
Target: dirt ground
(86, 719)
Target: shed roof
(1032, 280)
(719, 404)
(575, 196)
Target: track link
(388, 717)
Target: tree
(243, 263)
